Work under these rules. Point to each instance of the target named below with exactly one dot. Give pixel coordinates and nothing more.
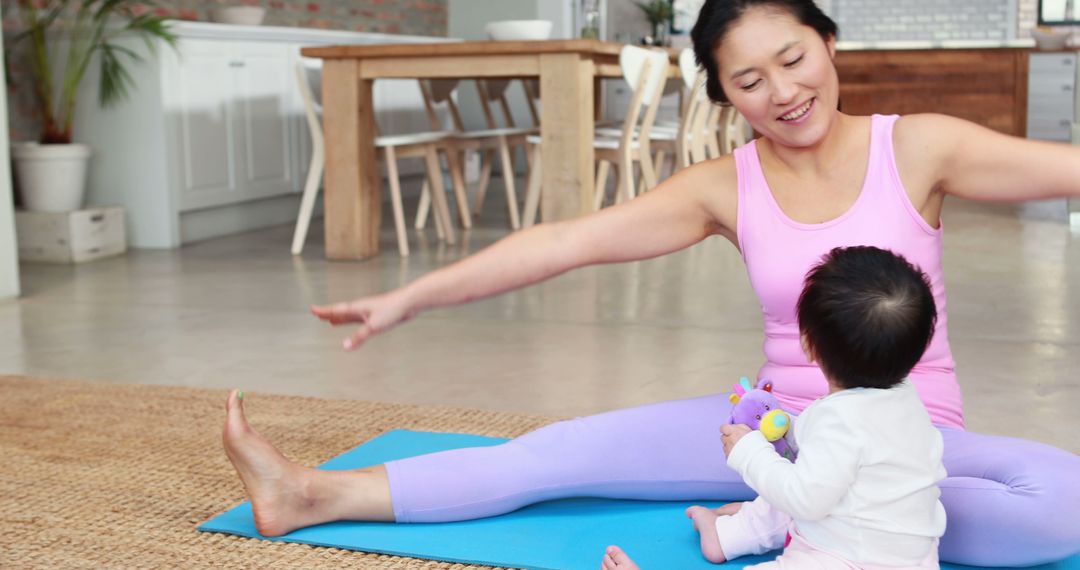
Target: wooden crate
(70, 237)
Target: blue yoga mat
(555, 535)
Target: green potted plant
(658, 12)
(52, 172)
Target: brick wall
(865, 20)
(869, 20)
(414, 17)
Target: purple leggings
(1009, 501)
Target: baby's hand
(732, 433)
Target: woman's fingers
(339, 313)
(358, 338)
(374, 315)
(325, 312)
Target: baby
(862, 493)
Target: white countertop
(927, 44)
(313, 36)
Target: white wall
(466, 20)
(9, 259)
(560, 13)
(925, 20)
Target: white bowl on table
(1050, 40)
(238, 15)
(518, 30)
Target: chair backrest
(694, 127)
(649, 80)
(703, 120)
(689, 68)
(732, 130)
(532, 96)
(493, 91)
(694, 81)
(441, 92)
(645, 70)
(309, 82)
(309, 72)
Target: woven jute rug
(118, 476)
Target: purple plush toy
(758, 408)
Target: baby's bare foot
(728, 509)
(276, 486)
(616, 559)
(705, 523)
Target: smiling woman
(815, 180)
(782, 89)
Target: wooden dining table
(568, 71)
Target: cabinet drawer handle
(236, 64)
(1065, 122)
(1066, 88)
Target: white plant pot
(52, 177)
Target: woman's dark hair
(716, 18)
(867, 315)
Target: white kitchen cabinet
(1054, 104)
(232, 104)
(1051, 96)
(213, 140)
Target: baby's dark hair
(717, 17)
(867, 316)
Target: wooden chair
(494, 92)
(390, 149)
(686, 141)
(732, 131)
(706, 130)
(694, 137)
(645, 70)
(494, 139)
(440, 91)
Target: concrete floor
(232, 312)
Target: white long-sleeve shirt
(864, 485)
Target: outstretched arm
(971, 161)
(686, 208)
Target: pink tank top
(780, 251)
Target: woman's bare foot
(616, 559)
(286, 496)
(275, 485)
(705, 524)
